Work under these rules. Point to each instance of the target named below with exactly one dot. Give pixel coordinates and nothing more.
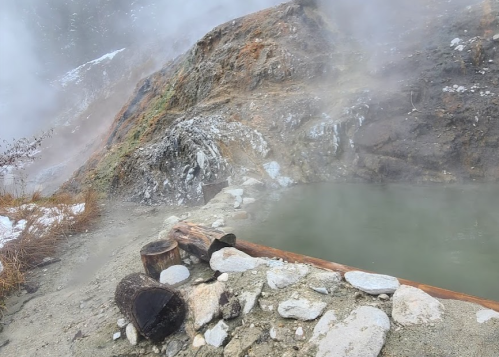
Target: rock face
(363, 333)
(413, 306)
(286, 275)
(374, 284)
(228, 260)
(301, 309)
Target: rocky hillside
(297, 94)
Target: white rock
(217, 335)
(116, 335)
(283, 276)
(326, 322)
(248, 200)
(170, 221)
(495, 37)
(273, 169)
(218, 223)
(155, 349)
(321, 290)
(235, 192)
(223, 277)
(485, 315)
(455, 42)
(249, 297)
(362, 333)
(122, 323)
(299, 333)
(198, 341)
(131, 334)
(228, 260)
(174, 275)
(237, 204)
(301, 309)
(413, 306)
(374, 284)
(203, 302)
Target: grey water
(442, 236)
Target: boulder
(228, 260)
(362, 333)
(412, 306)
(175, 274)
(301, 309)
(373, 284)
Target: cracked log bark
(159, 255)
(155, 310)
(200, 240)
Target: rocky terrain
(297, 88)
(253, 306)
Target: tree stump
(155, 310)
(200, 240)
(159, 255)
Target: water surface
(442, 236)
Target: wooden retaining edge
(257, 250)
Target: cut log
(200, 240)
(155, 310)
(159, 255)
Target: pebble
(299, 334)
(223, 277)
(320, 290)
(131, 334)
(116, 336)
(281, 277)
(374, 284)
(217, 335)
(384, 297)
(362, 333)
(122, 323)
(155, 349)
(218, 223)
(175, 274)
(485, 315)
(413, 306)
(496, 37)
(198, 341)
(228, 260)
(301, 309)
(173, 348)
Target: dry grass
(37, 242)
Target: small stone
(374, 284)
(194, 259)
(248, 200)
(384, 297)
(496, 37)
(252, 182)
(218, 223)
(237, 204)
(228, 260)
(485, 315)
(412, 306)
(175, 274)
(173, 348)
(155, 349)
(223, 277)
(320, 290)
(240, 215)
(301, 309)
(131, 334)
(217, 335)
(122, 323)
(281, 277)
(362, 333)
(299, 334)
(198, 341)
(116, 336)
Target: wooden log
(257, 250)
(155, 310)
(200, 240)
(159, 255)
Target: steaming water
(442, 236)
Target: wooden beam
(257, 250)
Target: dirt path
(72, 313)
